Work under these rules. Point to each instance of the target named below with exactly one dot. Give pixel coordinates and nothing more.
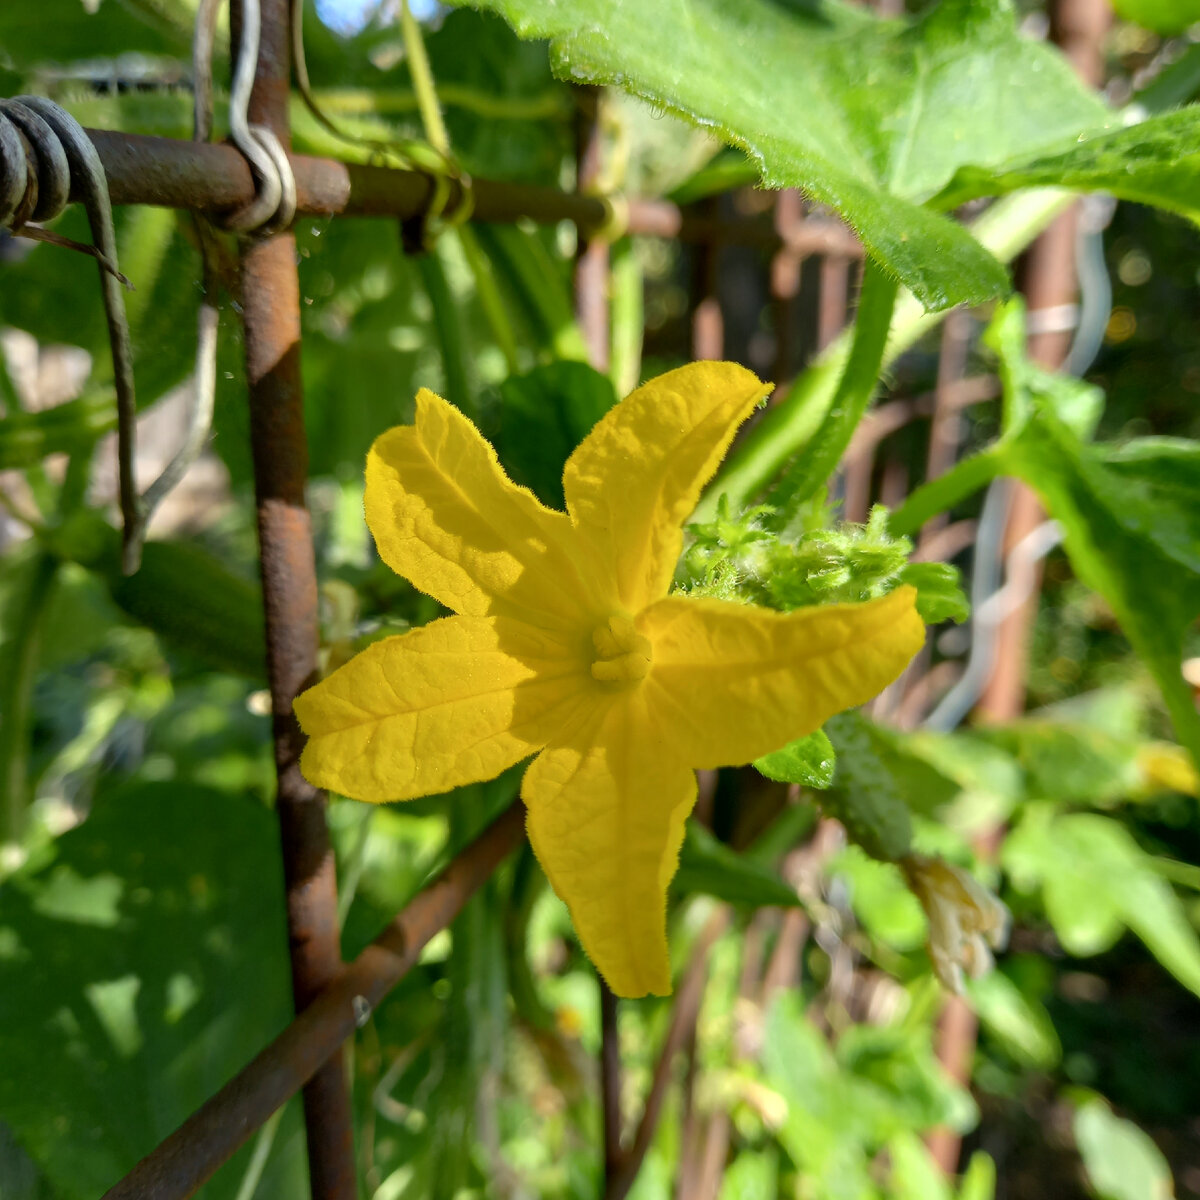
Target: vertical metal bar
(708, 322)
(591, 259)
(785, 282)
(1048, 280)
(834, 293)
(271, 315)
(945, 430)
(591, 311)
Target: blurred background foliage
(142, 945)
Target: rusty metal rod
(591, 255)
(279, 445)
(171, 173)
(184, 1161)
(1048, 278)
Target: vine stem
(422, 80)
(434, 124)
(856, 385)
(16, 692)
(684, 1014)
(610, 1087)
(1006, 229)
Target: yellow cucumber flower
(567, 646)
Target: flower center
(622, 654)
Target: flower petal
(606, 814)
(446, 517)
(730, 682)
(453, 702)
(636, 477)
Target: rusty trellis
(332, 997)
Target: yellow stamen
(622, 654)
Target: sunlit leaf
(1121, 1160)
(808, 761)
(1151, 163)
(1164, 16)
(879, 119)
(1095, 880)
(1018, 1022)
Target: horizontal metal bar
(181, 1164)
(216, 178)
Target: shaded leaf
(710, 867)
(1121, 1160)
(545, 414)
(27, 438)
(1020, 1024)
(1095, 880)
(142, 963)
(181, 591)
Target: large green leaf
(63, 31)
(710, 867)
(1160, 492)
(1128, 513)
(871, 116)
(1121, 1160)
(544, 415)
(1155, 597)
(808, 761)
(1154, 162)
(142, 962)
(845, 1103)
(1095, 880)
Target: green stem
(489, 297)
(435, 130)
(528, 883)
(15, 413)
(628, 316)
(367, 102)
(1005, 229)
(942, 493)
(539, 287)
(820, 457)
(422, 79)
(448, 329)
(258, 1159)
(16, 696)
